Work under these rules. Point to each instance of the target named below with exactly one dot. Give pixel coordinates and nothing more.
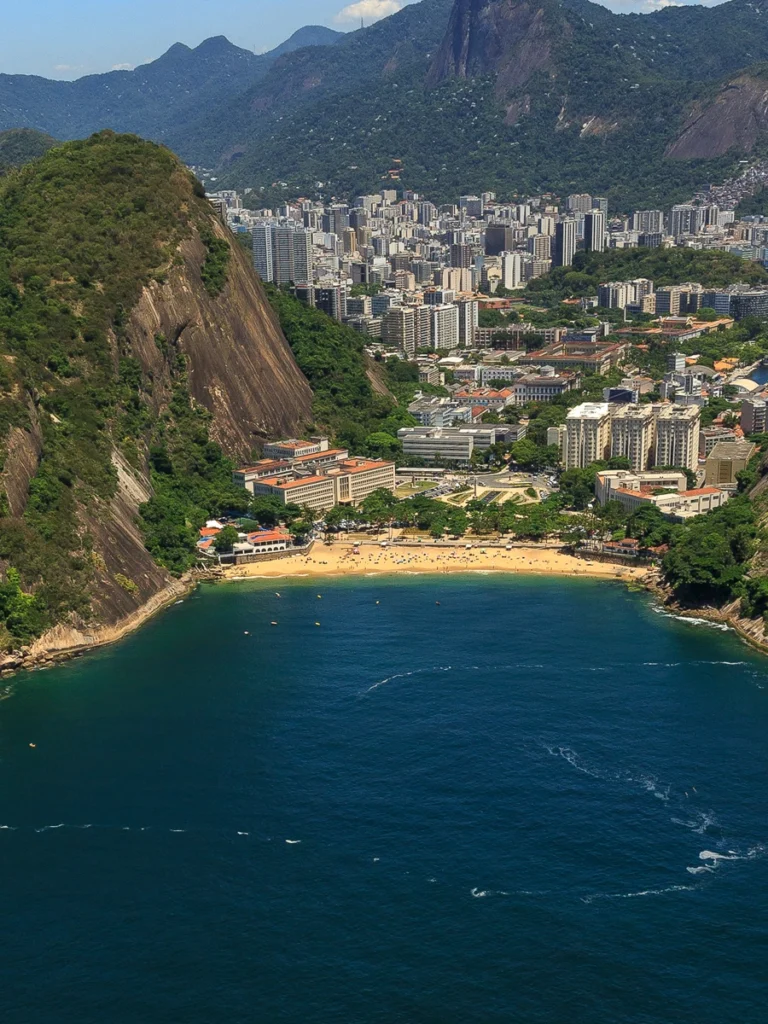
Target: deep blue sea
(466, 799)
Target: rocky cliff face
(512, 39)
(240, 366)
(734, 120)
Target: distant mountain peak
(217, 45)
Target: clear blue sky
(70, 38)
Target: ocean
(456, 799)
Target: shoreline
(63, 642)
(424, 559)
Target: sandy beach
(338, 560)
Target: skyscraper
(468, 320)
(461, 256)
(282, 253)
(594, 231)
(565, 243)
(512, 269)
(498, 239)
(445, 326)
(262, 252)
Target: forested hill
(449, 96)
(513, 96)
(137, 351)
(20, 145)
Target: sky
(70, 38)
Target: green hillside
(19, 146)
(82, 230)
(472, 113)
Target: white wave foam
(480, 893)
(48, 828)
(407, 675)
(691, 619)
(293, 842)
(634, 895)
(573, 759)
(8, 828)
(243, 833)
(176, 830)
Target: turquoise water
(534, 801)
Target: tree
(381, 445)
(457, 522)
(301, 529)
(225, 540)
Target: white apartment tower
(468, 321)
(262, 252)
(512, 269)
(677, 435)
(444, 326)
(633, 433)
(587, 436)
(283, 253)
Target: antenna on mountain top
(362, 23)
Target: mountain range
(449, 96)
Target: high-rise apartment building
(587, 436)
(686, 219)
(600, 203)
(262, 252)
(540, 246)
(677, 435)
(398, 329)
(472, 206)
(565, 243)
(579, 203)
(612, 295)
(282, 253)
(511, 270)
(468, 321)
(461, 256)
(332, 299)
(633, 433)
(444, 326)
(648, 221)
(754, 416)
(594, 231)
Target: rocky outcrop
(241, 368)
(22, 459)
(734, 120)
(512, 39)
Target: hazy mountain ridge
(151, 100)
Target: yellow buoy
(317, 623)
(33, 744)
(274, 623)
